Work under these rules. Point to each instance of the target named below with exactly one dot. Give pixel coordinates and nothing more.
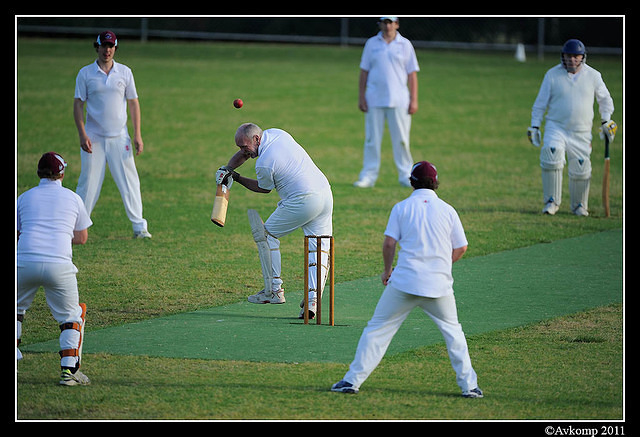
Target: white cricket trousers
(392, 309)
(61, 292)
(313, 213)
(399, 122)
(117, 152)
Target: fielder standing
(387, 91)
(566, 95)
(431, 239)
(50, 218)
(306, 203)
(108, 88)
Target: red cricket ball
(237, 103)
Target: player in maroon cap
(431, 239)
(50, 219)
(105, 89)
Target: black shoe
(344, 387)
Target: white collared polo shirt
(427, 230)
(106, 97)
(388, 66)
(47, 215)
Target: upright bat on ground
(607, 133)
(605, 179)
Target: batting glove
(225, 176)
(608, 128)
(534, 135)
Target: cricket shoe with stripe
(312, 308)
(473, 393)
(69, 379)
(141, 235)
(344, 387)
(261, 297)
(550, 208)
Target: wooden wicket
(318, 264)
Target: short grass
(474, 112)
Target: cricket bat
(220, 203)
(605, 178)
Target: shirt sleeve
(83, 221)
(18, 221)
(393, 225)
(365, 60)
(265, 178)
(603, 97)
(458, 237)
(412, 64)
(130, 92)
(541, 103)
(81, 88)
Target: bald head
(248, 138)
(246, 132)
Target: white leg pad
(552, 185)
(579, 182)
(264, 252)
(579, 192)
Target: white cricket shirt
(427, 230)
(388, 66)
(568, 98)
(47, 216)
(106, 98)
(283, 165)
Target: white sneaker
(78, 378)
(473, 393)
(363, 183)
(141, 234)
(261, 297)
(312, 308)
(581, 211)
(550, 208)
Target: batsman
(566, 96)
(306, 202)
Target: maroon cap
(423, 170)
(51, 164)
(107, 37)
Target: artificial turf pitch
(493, 292)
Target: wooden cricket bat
(220, 203)
(605, 178)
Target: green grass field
(472, 122)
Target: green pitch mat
(493, 292)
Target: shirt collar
(113, 69)
(264, 143)
(396, 39)
(424, 192)
(49, 182)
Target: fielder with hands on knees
(431, 239)
(306, 202)
(50, 219)
(566, 96)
